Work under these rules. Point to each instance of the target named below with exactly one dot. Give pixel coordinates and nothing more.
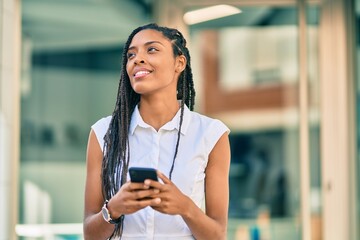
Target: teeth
(141, 73)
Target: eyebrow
(146, 44)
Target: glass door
(247, 67)
(71, 65)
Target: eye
(152, 49)
(130, 55)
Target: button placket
(154, 160)
(157, 150)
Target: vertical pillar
(170, 13)
(337, 49)
(9, 115)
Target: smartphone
(139, 174)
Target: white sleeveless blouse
(151, 148)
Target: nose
(139, 59)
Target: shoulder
(102, 123)
(207, 128)
(207, 123)
(100, 128)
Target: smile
(141, 74)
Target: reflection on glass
(70, 70)
(313, 18)
(250, 80)
(258, 56)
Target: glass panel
(71, 65)
(313, 17)
(249, 79)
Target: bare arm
(212, 224)
(129, 199)
(95, 227)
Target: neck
(157, 113)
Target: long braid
(180, 123)
(116, 150)
(116, 141)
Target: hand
(173, 201)
(131, 198)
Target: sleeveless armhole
(215, 131)
(100, 128)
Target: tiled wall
(9, 114)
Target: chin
(143, 88)
(140, 90)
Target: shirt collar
(137, 121)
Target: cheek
(127, 70)
(168, 68)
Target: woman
(153, 126)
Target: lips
(141, 73)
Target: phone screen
(139, 174)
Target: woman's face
(151, 65)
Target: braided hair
(116, 145)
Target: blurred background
(280, 73)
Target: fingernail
(156, 190)
(157, 200)
(147, 182)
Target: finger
(137, 186)
(153, 184)
(164, 178)
(155, 202)
(147, 202)
(135, 205)
(140, 194)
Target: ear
(180, 63)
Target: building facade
(282, 74)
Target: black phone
(139, 174)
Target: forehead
(149, 35)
